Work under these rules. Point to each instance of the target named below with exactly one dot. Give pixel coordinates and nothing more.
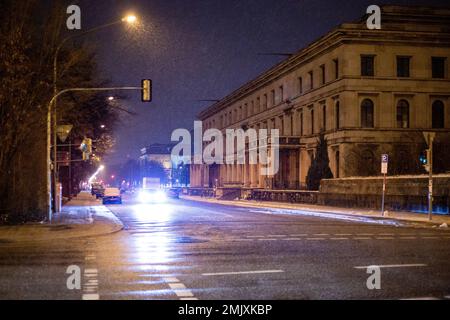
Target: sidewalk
(352, 214)
(83, 216)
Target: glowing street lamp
(131, 19)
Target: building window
(322, 73)
(367, 114)
(368, 163)
(312, 121)
(282, 129)
(301, 123)
(281, 94)
(337, 175)
(437, 114)
(300, 85)
(403, 66)
(311, 80)
(272, 97)
(265, 101)
(336, 68)
(240, 115)
(403, 114)
(324, 117)
(367, 66)
(337, 115)
(258, 105)
(438, 67)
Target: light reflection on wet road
(189, 250)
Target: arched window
(437, 114)
(403, 114)
(367, 114)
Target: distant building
(369, 92)
(175, 172)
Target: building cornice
(396, 33)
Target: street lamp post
(49, 132)
(51, 116)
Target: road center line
(242, 272)
(393, 266)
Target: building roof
(157, 149)
(399, 23)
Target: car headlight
(144, 196)
(160, 196)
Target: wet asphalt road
(190, 250)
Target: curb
(113, 225)
(324, 214)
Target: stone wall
(409, 193)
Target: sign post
(384, 171)
(429, 138)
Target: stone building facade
(369, 92)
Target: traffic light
(424, 159)
(86, 148)
(146, 90)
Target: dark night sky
(200, 49)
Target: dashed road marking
(411, 265)
(180, 289)
(241, 272)
(385, 238)
(336, 239)
(362, 238)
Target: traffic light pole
(52, 166)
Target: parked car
(97, 190)
(173, 193)
(112, 195)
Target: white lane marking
(171, 279)
(335, 239)
(320, 234)
(189, 299)
(421, 298)
(184, 293)
(241, 272)
(447, 297)
(364, 234)
(362, 238)
(385, 238)
(299, 235)
(277, 235)
(386, 234)
(181, 290)
(90, 297)
(268, 239)
(91, 271)
(292, 239)
(177, 286)
(343, 234)
(255, 236)
(394, 266)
